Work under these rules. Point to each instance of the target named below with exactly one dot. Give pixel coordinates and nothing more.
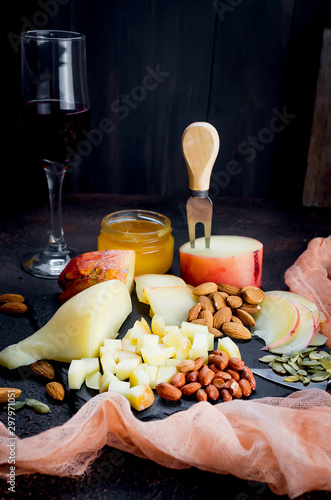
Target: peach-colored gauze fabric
(310, 276)
(284, 442)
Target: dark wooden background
(234, 63)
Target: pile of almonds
(226, 309)
(222, 378)
(12, 303)
(44, 369)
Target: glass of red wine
(55, 116)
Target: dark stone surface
(285, 233)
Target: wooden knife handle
(200, 146)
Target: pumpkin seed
(268, 358)
(314, 369)
(289, 369)
(319, 376)
(291, 378)
(310, 362)
(294, 365)
(294, 356)
(307, 351)
(306, 365)
(30, 402)
(278, 367)
(325, 363)
(16, 405)
(315, 355)
(41, 407)
(282, 359)
(305, 380)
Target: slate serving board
(28, 422)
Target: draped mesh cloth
(310, 276)
(284, 442)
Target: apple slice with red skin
(302, 336)
(301, 299)
(276, 321)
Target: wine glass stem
(55, 174)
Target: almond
(199, 321)
(208, 316)
(216, 332)
(7, 393)
(194, 312)
(253, 296)
(11, 297)
(13, 308)
(245, 317)
(207, 304)
(248, 287)
(168, 392)
(229, 289)
(222, 316)
(250, 308)
(234, 301)
(219, 300)
(235, 319)
(205, 288)
(55, 390)
(44, 369)
(236, 331)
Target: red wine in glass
(54, 130)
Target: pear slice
(77, 329)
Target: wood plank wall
(249, 67)
(317, 187)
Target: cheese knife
(269, 374)
(200, 146)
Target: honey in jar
(147, 233)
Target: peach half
(235, 260)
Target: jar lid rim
(139, 215)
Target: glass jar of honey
(147, 233)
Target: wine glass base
(46, 264)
